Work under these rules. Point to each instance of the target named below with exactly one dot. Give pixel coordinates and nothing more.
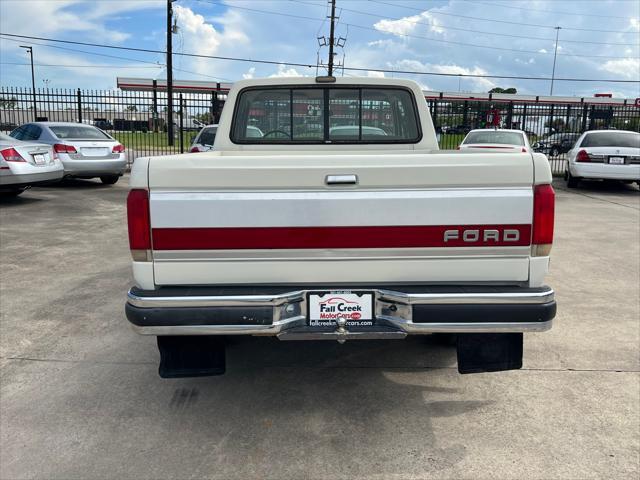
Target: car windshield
(208, 136)
(493, 136)
(612, 139)
(322, 114)
(78, 132)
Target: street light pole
(170, 132)
(555, 54)
(33, 81)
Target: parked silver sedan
(85, 151)
(23, 164)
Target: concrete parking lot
(80, 396)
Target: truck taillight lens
(139, 225)
(583, 156)
(543, 218)
(11, 155)
(62, 148)
(117, 149)
(194, 150)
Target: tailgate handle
(341, 180)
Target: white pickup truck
(327, 211)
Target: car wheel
(554, 152)
(109, 179)
(572, 182)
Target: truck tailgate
(273, 219)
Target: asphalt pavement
(80, 397)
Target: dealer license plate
(616, 160)
(325, 308)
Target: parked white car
(604, 155)
(499, 139)
(203, 142)
(84, 150)
(23, 164)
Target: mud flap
(489, 352)
(191, 356)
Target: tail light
(524, 150)
(119, 148)
(543, 217)
(458, 147)
(139, 225)
(11, 155)
(583, 156)
(194, 150)
(62, 148)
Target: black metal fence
(552, 127)
(138, 119)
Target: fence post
(510, 115)
(465, 115)
(551, 120)
(567, 119)
(181, 124)
(155, 106)
(585, 111)
(79, 106)
(524, 117)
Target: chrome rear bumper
(406, 311)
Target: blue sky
(598, 39)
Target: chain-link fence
(138, 119)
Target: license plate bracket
(616, 160)
(356, 307)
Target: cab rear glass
(315, 115)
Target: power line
(313, 66)
(75, 66)
(435, 12)
(156, 64)
(553, 12)
(446, 27)
(439, 40)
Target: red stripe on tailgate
(400, 236)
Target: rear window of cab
(316, 115)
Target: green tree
(503, 90)
(131, 108)
(8, 103)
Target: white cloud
(375, 74)
(286, 72)
(635, 23)
(543, 50)
(409, 25)
(624, 67)
(203, 38)
(45, 17)
(249, 73)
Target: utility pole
(331, 36)
(170, 132)
(555, 54)
(33, 81)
